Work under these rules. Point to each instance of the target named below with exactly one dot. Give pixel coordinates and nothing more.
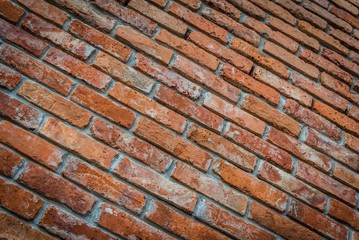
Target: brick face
(186, 119)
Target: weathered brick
(233, 113)
(161, 3)
(56, 188)
(224, 148)
(9, 162)
(173, 144)
(228, 222)
(345, 16)
(255, 55)
(206, 78)
(347, 6)
(188, 108)
(122, 72)
(105, 185)
(8, 77)
(352, 142)
(161, 187)
(35, 69)
(193, 4)
(344, 213)
(250, 185)
(128, 226)
(143, 43)
(57, 36)
(188, 49)
(18, 200)
(77, 142)
(249, 8)
(131, 145)
(66, 226)
(354, 112)
(180, 225)
(30, 145)
(11, 11)
(344, 38)
(55, 104)
(148, 107)
(19, 112)
(345, 175)
(223, 6)
(340, 60)
(103, 106)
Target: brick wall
(162, 119)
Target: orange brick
(11, 11)
(249, 8)
(250, 185)
(173, 144)
(77, 142)
(340, 60)
(9, 162)
(347, 17)
(345, 175)
(344, 38)
(348, 6)
(354, 112)
(40, 151)
(223, 6)
(55, 104)
(103, 106)
(344, 213)
(193, 4)
(222, 147)
(56, 188)
(8, 77)
(188, 49)
(352, 142)
(161, 187)
(148, 107)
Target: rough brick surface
(179, 119)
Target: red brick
(233, 113)
(345, 175)
(291, 59)
(156, 184)
(9, 162)
(224, 148)
(46, 10)
(206, 78)
(128, 226)
(347, 6)
(344, 213)
(224, 7)
(179, 224)
(259, 146)
(322, 36)
(77, 69)
(322, 3)
(193, 4)
(167, 77)
(244, 81)
(127, 15)
(293, 33)
(19, 112)
(340, 60)
(100, 40)
(317, 220)
(250, 185)
(66, 226)
(122, 72)
(354, 112)
(336, 117)
(35, 69)
(105, 185)
(249, 8)
(333, 149)
(312, 119)
(21, 38)
(160, 3)
(345, 16)
(293, 186)
(103, 106)
(131, 145)
(11, 11)
(188, 49)
(326, 65)
(273, 35)
(228, 222)
(57, 36)
(18, 200)
(8, 77)
(231, 25)
(282, 86)
(255, 55)
(199, 22)
(54, 104)
(143, 43)
(188, 108)
(271, 115)
(56, 188)
(30, 145)
(148, 107)
(157, 15)
(352, 142)
(77, 142)
(210, 187)
(173, 144)
(325, 183)
(344, 38)
(12, 228)
(320, 91)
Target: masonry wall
(157, 119)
